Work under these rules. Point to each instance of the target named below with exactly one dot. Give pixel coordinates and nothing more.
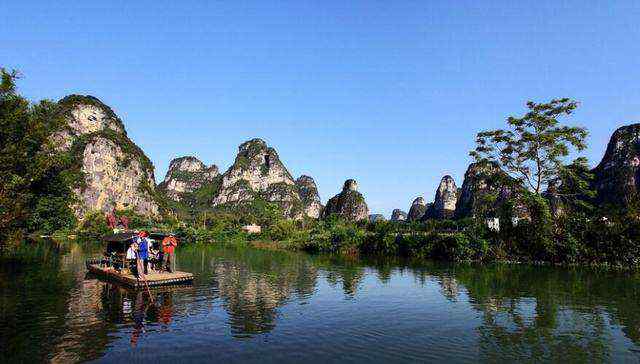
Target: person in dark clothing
(143, 252)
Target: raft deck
(153, 279)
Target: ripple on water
(263, 306)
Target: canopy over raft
(112, 266)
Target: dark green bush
(93, 224)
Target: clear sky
(390, 93)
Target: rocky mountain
(258, 173)
(116, 172)
(479, 183)
(617, 177)
(349, 203)
(398, 215)
(444, 205)
(373, 218)
(186, 175)
(417, 210)
(308, 192)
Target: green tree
(533, 148)
(35, 191)
(572, 189)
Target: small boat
(111, 266)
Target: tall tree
(35, 181)
(573, 188)
(534, 146)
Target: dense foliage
(35, 182)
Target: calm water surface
(249, 305)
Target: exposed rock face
(308, 192)
(185, 175)
(258, 173)
(85, 115)
(398, 215)
(117, 173)
(350, 185)
(617, 177)
(417, 210)
(446, 195)
(480, 181)
(349, 203)
(373, 218)
(444, 205)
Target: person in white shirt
(132, 257)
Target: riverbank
(602, 244)
(574, 240)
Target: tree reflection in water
(547, 314)
(51, 311)
(254, 286)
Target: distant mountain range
(118, 174)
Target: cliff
(116, 172)
(480, 190)
(374, 218)
(308, 192)
(398, 215)
(444, 205)
(617, 177)
(349, 203)
(186, 175)
(417, 210)
(258, 173)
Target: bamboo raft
(155, 279)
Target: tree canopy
(533, 148)
(35, 184)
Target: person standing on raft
(143, 252)
(131, 257)
(168, 248)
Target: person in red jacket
(124, 221)
(168, 248)
(112, 219)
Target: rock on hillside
(617, 177)
(349, 203)
(117, 173)
(186, 175)
(398, 215)
(481, 185)
(373, 218)
(258, 173)
(417, 210)
(444, 205)
(308, 192)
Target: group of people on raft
(143, 257)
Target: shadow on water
(248, 304)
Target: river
(250, 305)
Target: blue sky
(390, 93)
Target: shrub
(282, 230)
(93, 224)
(51, 214)
(451, 247)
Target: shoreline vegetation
(531, 204)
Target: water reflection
(248, 305)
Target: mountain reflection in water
(250, 305)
